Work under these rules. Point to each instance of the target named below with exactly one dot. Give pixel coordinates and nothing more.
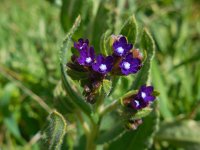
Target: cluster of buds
(124, 60)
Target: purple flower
(143, 98)
(103, 65)
(81, 44)
(121, 47)
(86, 57)
(130, 65)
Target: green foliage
(141, 138)
(147, 43)
(30, 73)
(104, 43)
(54, 133)
(76, 100)
(130, 29)
(158, 82)
(181, 133)
(111, 134)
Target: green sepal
(141, 113)
(156, 93)
(107, 86)
(76, 75)
(127, 95)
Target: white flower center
(143, 95)
(137, 103)
(88, 59)
(103, 67)
(126, 65)
(81, 47)
(120, 50)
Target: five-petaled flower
(103, 64)
(81, 44)
(143, 98)
(130, 65)
(87, 56)
(121, 47)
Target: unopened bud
(137, 54)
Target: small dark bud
(73, 58)
(87, 89)
(76, 67)
(90, 98)
(137, 54)
(133, 124)
(96, 84)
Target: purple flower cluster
(87, 53)
(87, 57)
(128, 64)
(123, 61)
(121, 51)
(143, 98)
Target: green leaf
(183, 133)
(104, 43)
(147, 43)
(110, 130)
(130, 29)
(65, 49)
(54, 133)
(139, 139)
(107, 86)
(67, 43)
(112, 134)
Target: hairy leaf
(108, 136)
(142, 77)
(139, 139)
(54, 133)
(130, 29)
(75, 98)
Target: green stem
(109, 108)
(94, 130)
(84, 123)
(91, 138)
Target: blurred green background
(31, 33)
